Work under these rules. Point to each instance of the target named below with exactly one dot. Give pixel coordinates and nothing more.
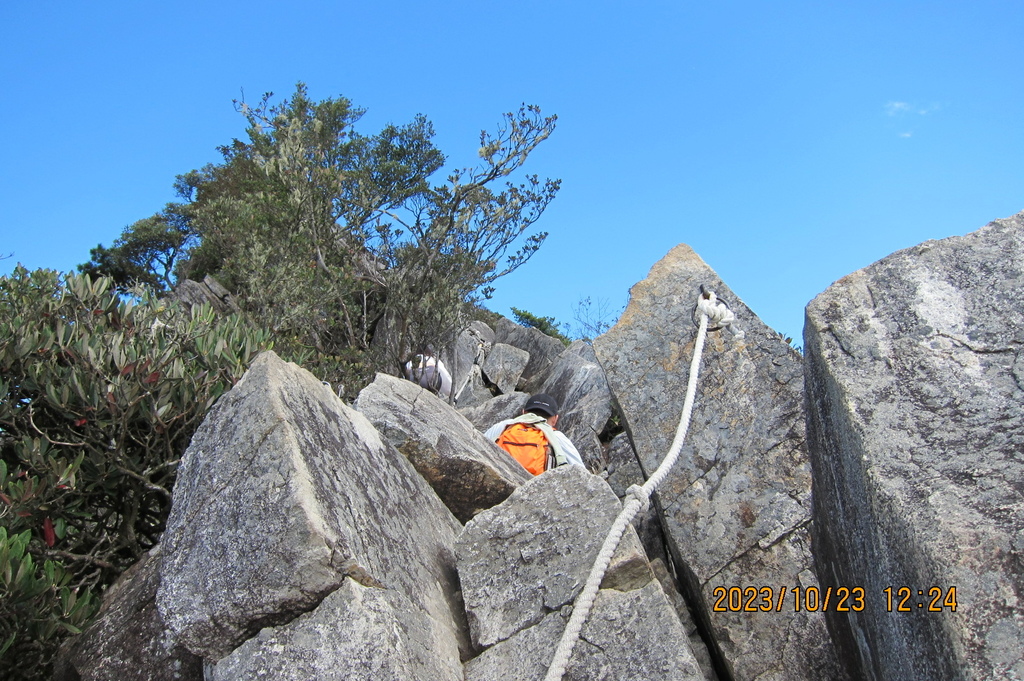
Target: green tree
(147, 252)
(338, 242)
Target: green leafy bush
(100, 393)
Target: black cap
(545, 404)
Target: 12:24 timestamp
(905, 599)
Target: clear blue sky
(790, 143)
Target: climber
(428, 371)
(531, 438)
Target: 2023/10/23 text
(836, 599)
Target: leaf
(48, 535)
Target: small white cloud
(895, 108)
(906, 134)
(900, 108)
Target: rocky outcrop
(736, 507)
(357, 632)
(129, 639)
(305, 542)
(495, 409)
(207, 292)
(915, 377)
(522, 562)
(578, 382)
(468, 472)
(543, 351)
(504, 366)
(283, 495)
(471, 348)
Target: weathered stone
(283, 491)
(504, 365)
(697, 645)
(471, 348)
(475, 390)
(468, 472)
(357, 632)
(915, 376)
(543, 349)
(207, 292)
(623, 467)
(629, 635)
(128, 641)
(531, 554)
(741, 488)
(577, 381)
(495, 409)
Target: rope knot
(641, 495)
(718, 313)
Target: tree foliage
(546, 325)
(338, 241)
(147, 252)
(99, 396)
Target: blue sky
(789, 143)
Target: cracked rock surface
(736, 506)
(914, 372)
(285, 491)
(467, 471)
(524, 561)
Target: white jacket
(446, 378)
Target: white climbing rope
(638, 496)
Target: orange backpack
(528, 446)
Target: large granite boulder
(522, 562)
(915, 377)
(496, 409)
(314, 646)
(128, 640)
(504, 365)
(468, 472)
(543, 349)
(283, 494)
(736, 507)
(577, 381)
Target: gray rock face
(543, 349)
(531, 555)
(522, 561)
(284, 491)
(474, 391)
(128, 640)
(736, 506)
(629, 635)
(915, 374)
(504, 365)
(471, 348)
(623, 468)
(495, 409)
(468, 472)
(208, 292)
(343, 639)
(577, 381)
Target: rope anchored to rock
(710, 311)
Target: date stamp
(830, 599)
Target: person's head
(544, 405)
(427, 350)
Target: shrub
(99, 395)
